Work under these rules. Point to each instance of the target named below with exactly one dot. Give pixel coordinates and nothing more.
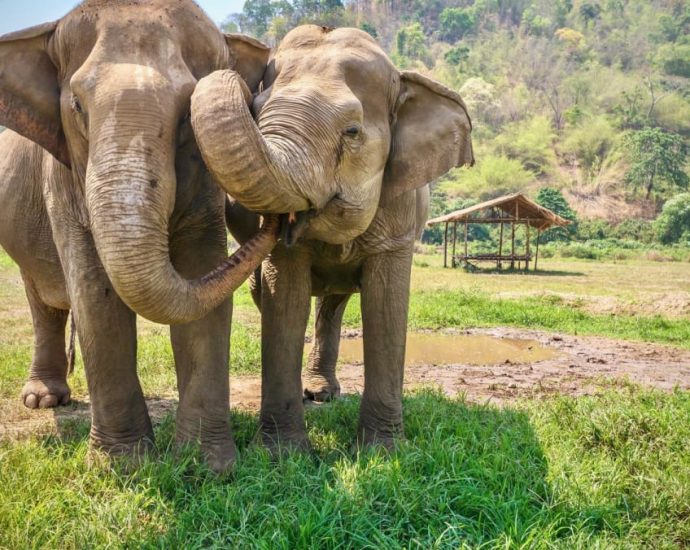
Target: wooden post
(536, 257)
(455, 237)
(499, 263)
(445, 247)
(512, 247)
(527, 247)
(465, 240)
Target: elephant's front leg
(385, 300)
(320, 381)
(106, 327)
(285, 300)
(201, 352)
(47, 384)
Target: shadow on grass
(466, 475)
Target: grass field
(607, 470)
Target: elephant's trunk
(130, 195)
(263, 171)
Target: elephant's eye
(352, 131)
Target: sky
(19, 14)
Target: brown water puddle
(454, 349)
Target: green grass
(606, 471)
(466, 309)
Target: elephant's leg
(47, 384)
(106, 327)
(285, 301)
(320, 382)
(201, 353)
(385, 299)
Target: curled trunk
(261, 171)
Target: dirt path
(582, 366)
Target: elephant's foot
(125, 456)
(386, 440)
(45, 393)
(283, 442)
(217, 447)
(320, 388)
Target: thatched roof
(516, 207)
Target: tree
(455, 56)
(410, 42)
(553, 199)
(673, 224)
(656, 157)
(455, 23)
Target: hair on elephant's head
(106, 90)
(338, 131)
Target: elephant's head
(339, 130)
(106, 90)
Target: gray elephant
(342, 141)
(109, 211)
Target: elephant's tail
(71, 349)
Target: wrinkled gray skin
(344, 140)
(109, 211)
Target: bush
(492, 176)
(580, 251)
(593, 229)
(673, 224)
(641, 231)
(590, 143)
(675, 59)
(530, 142)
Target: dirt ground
(582, 366)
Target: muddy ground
(582, 366)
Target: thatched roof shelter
(515, 209)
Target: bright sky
(19, 14)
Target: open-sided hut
(511, 212)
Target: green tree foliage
(456, 23)
(492, 176)
(530, 142)
(675, 59)
(553, 199)
(657, 158)
(673, 224)
(590, 143)
(410, 44)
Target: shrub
(590, 143)
(530, 142)
(593, 229)
(492, 176)
(641, 231)
(580, 251)
(675, 59)
(673, 224)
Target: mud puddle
(453, 349)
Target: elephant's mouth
(294, 225)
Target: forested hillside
(591, 98)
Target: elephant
(340, 140)
(110, 212)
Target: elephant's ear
(430, 135)
(249, 58)
(29, 90)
